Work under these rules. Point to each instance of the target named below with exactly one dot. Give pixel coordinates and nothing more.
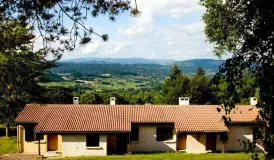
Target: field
(62, 84)
(7, 145)
(109, 83)
(169, 156)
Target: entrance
(121, 143)
(52, 142)
(211, 142)
(117, 143)
(181, 141)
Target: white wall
(147, 141)
(195, 144)
(75, 145)
(235, 134)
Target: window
(39, 135)
(134, 135)
(223, 137)
(164, 133)
(29, 134)
(92, 140)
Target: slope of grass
(168, 156)
(8, 145)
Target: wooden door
(111, 144)
(182, 141)
(211, 142)
(52, 142)
(121, 143)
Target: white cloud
(140, 25)
(170, 42)
(90, 47)
(174, 8)
(174, 53)
(117, 49)
(165, 30)
(150, 8)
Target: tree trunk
(7, 130)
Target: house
(82, 130)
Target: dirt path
(18, 156)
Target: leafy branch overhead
(63, 20)
(245, 28)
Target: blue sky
(165, 30)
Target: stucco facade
(75, 145)
(148, 143)
(238, 133)
(196, 143)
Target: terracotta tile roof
(245, 114)
(103, 118)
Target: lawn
(7, 145)
(168, 156)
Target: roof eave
(198, 132)
(78, 132)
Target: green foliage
(245, 29)
(48, 77)
(56, 95)
(48, 18)
(20, 68)
(200, 88)
(176, 85)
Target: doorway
(181, 141)
(121, 143)
(117, 143)
(52, 142)
(111, 144)
(211, 142)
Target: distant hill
(134, 66)
(120, 61)
(210, 66)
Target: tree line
(199, 88)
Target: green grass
(8, 145)
(168, 156)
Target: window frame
(92, 140)
(164, 133)
(134, 134)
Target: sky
(166, 29)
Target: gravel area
(18, 156)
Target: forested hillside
(142, 67)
